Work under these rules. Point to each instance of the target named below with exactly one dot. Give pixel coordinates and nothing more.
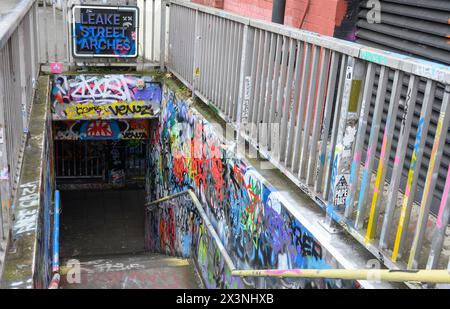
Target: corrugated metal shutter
(418, 28)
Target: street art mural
(101, 130)
(104, 97)
(255, 227)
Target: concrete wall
(321, 16)
(28, 258)
(255, 226)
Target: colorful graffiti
(101, 130)
(253, 224)
(105, 97)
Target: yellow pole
(430, 276)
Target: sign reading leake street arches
(105, 31)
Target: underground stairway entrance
(102, 219)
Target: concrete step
(140, 271)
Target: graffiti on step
(105, 97)
(101, 130)
(249, 215)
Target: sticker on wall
(56, 67)
(341, 192)
(102, 31)
(105, 97)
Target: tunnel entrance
(100, 169)
(102, 222)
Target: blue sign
(105, 31)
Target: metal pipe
(54, 284)
(278, 9)
(206, 222)
(435, 276)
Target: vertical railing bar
(163, 36)
(144, 32)
(373, 140)
(237, 73)
(248, 37)
(331, 84)
(153, 34)
(207, 48)
(4, 182)
(295, 103)
(276, 49)
(441, 226)
(309, 110)
(204, 46)
(22, 77)
(281, 142)
(45, 32)
(437, 153)
(263, 86)
(196, 55)
(33, 46)
(64, 29)
(273, 72)
(413, 174)
(282, 82)
(214, 56)
(217, 62)
(227, 56)
(219, 85)
(256, 89)
(384, 155)
(405, 129)
(360, 137)
(55, 29)
(302, 105)
(317, 120)
(232, 72)
(253, 78)
(335, 126)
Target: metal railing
(352, 126)
(55, 20)
(19, 67)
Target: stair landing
(143, 271)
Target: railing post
(23, 78)
(33, 45)
(162, 59)
(197, 46)
(4, 169)
(346, 134)
(244, 78)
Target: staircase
(141, 271)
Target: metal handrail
(424, 276)
(54, 284)
(205, 219)
(12, 20)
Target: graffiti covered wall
(101, 129)
(255, 227)
(104, 97)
